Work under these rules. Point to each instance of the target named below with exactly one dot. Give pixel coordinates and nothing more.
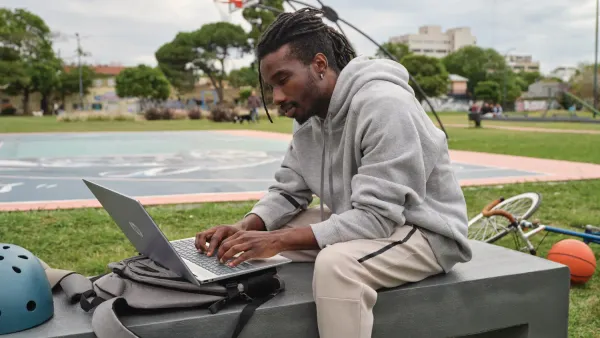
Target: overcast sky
(128, 32)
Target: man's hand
(218, 234)
(252, 244)
(215, 236)
(263, 244)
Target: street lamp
(504, 78)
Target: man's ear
(320, 63)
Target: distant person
(392, 210)
(498, 110)
(253, 104)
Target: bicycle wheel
(520, 206)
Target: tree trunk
(26, 102)
(220, 88)
(44, 105)
(216, 85)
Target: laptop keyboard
(186, 249)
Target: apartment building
(522, 63)
(432, 41)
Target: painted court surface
(45, 171)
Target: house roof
(458, 78)
(102, 69)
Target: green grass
(50, 124)
(461, 118)
(86, 240)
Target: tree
(25, 40)
(474, 63)
(530, 77)
(143, 82)
(510, 85)
(243, 77)
(488, 91)
(45, 80)
(259, 18)
(206, 49)
(68, 81)
(429, 72)
(398, 50)
(173, 58)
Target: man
(395, 211)
(253, 104)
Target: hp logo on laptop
(136, 229)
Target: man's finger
(201, 239)
(241, 258)
(228, 243)
(215, 241)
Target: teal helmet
(25, 293)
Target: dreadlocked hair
(307, 35)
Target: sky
(128, 32)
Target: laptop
(179, 256)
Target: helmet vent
(6, 247)
(23, 257)
(17, 270)
(31, 306)
(1, 258)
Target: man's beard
(314, 94)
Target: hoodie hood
(357, 73)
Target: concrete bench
(500, 293)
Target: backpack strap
(106, 323)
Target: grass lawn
(85, 240)
(451, 118)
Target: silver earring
(321, 76)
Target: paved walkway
(531, 129)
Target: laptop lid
(141, 230)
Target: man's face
(295, 85)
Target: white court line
(94, 178)
(1, 144)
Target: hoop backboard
(228, 7)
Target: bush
(245, 94)
(179, 114)
(95, 117)
(124, 117)
(152, 114)
(195, 114)
(223, 112)
(8, 110)
(166, 114)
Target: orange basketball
(577, 256)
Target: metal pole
(80, 76)
(596, 62)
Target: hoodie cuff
(266, 214)
(326, 232)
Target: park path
(531, 129)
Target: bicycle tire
(534, 199)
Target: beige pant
(347, 275)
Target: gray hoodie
(377, 161)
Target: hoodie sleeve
(286, 197)
(399, 148)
